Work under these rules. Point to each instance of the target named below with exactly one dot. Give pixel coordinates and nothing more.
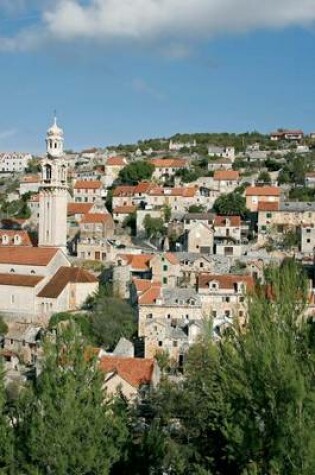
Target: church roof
(63, 277)
(31, 256)
(19, 280)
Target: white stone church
(36, 282)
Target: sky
(117, 71)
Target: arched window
(5, 239)
(17, 239)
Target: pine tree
(6, 441)
(65, 425)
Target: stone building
(224, 297)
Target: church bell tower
(53, 194)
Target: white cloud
(140, 19)
(173, 20)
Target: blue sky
(211, 66)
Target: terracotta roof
(20, 280)
(221, 221)
(127, 209)
(31, 256)
(24, 238)
(263, 191)
(143, 187)
(150, 296)
(96, 218)
(30, 179)
(88, 185)
(226, 281)
(168, 162)
(79, 208)
(141, 285)
(188, 192)
(172, 259)
(310, 175)
(226, 175)
(116, 162)
(124, 190)
(140, 262)
(62, 278)
(135, 371)
(268, 206)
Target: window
(227, 313)
(226, 299)
(201, 264)
(308, 230)
(165, 268)
(12, 270)
(33, 272)
(175, 343)
(12, 299)
(160, 343)
(308, 241)
(149, 315)
(269, 215)
(164, 280)
(214, 313)
(241, 299)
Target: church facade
(36, 282)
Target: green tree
(6, 435)
(136, 172)
(112, 319)
(196, 209)
(167, 211)
(154, 227)
(130, 221)
(264, 177)
(246, 405)
(64, 424)
(3, 326)
(230, 204)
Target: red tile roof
(79, 208)
(24, 238)
(226, 281)
(184, 192)
(141, 285)
(172, 259)
(263, 191)
(63, 277)
(124, 190)
(92, 218)
(31, 256)
(127, 209)
(150, 296)
(116, 162)
(135, 371)
(138, 262)
(143, 187)
(268, 206)
(226, 175)
(88, 185)
(20, 280)
(168, 162)
(221, 221)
